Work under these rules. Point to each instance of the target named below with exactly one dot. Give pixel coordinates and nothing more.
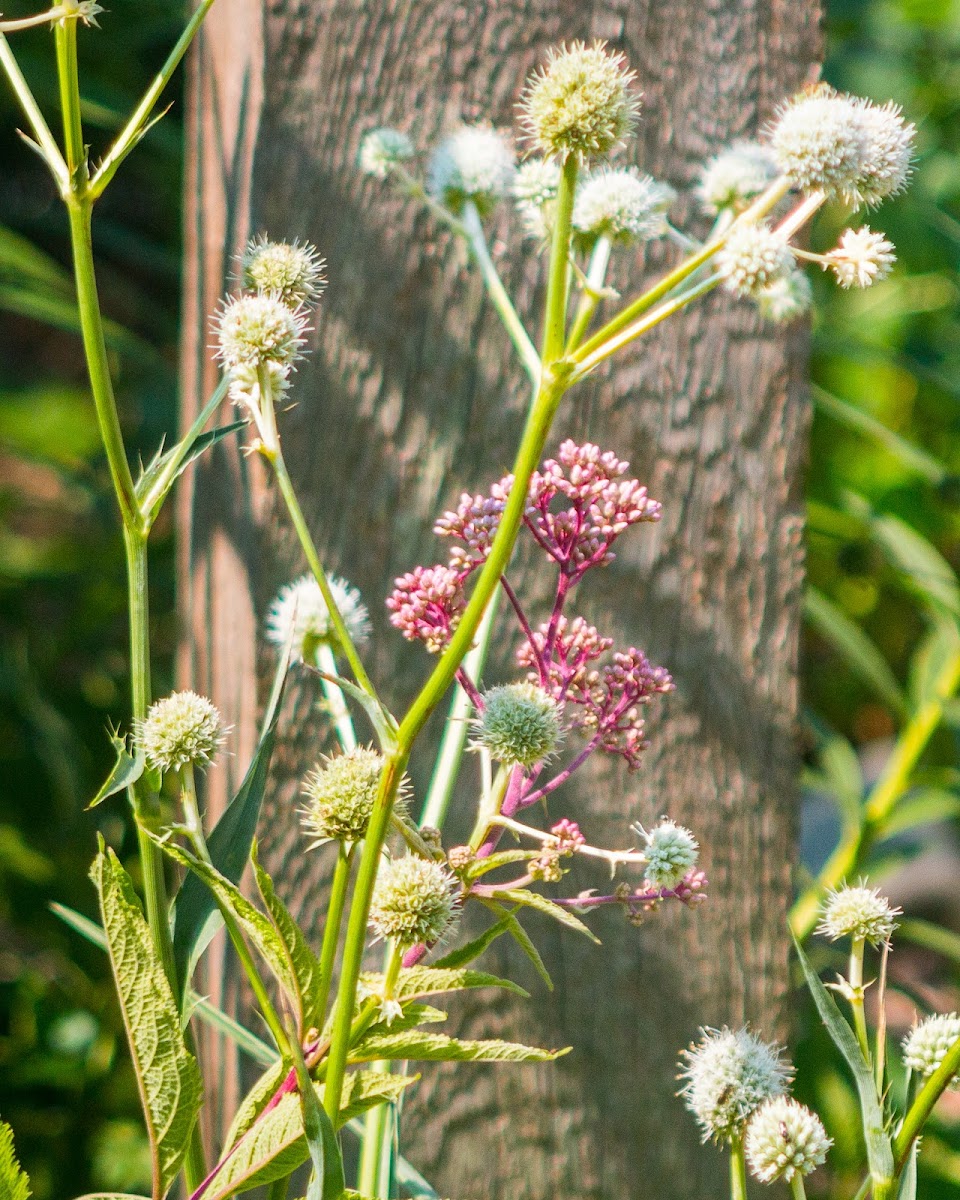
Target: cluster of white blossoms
(474, 163)
(299, 615)
(621, 205)
(859, 913)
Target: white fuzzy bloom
(888, 151)
(300, 612)
(183, 729)
(732, 178)
(259, 330)
(381, 150)
(819, 143)
(926, 1045)
(862, 258)
(784, 1139)
(729, 1074)
(786, 298)
(289, 271)
(860, 913)
(671, 852)
(622, 205)
(534, 190)
(753, 257)
(475, 163)
(414, 900)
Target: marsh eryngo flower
(671, 852)
(735, 176)
(339, 794)
(860, 913)
(288, 271)
(520, 724)
(383, 149)
(181, 730)
(862, 258)
(414, 901)
(534, 191)
(259, 330)
(728, 1075)
(926, 1045)
(474, 163)
(753, 257)
(581, 103)
(887, 151)
(299, 614)
(818, 142)
(622, 205)
(784, 1139)
(786, 298)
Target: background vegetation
(884, 542)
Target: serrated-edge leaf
(522, 938)
(14, 1184)
(440, 1047)
(412, 1016)
(473, 949)
(256, 1100)
(504, 858)
(126, 771)
(879, 1149)
(363, 1090)
(542, 904)
(414, 982)
(168, 461)
(171, 1088)
(303, 964)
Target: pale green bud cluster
(735, 176)
(671, 851)
(860, 913)
(340, 794)
(299, 615)
(382, 150)
(728, 1075)
(520, 724)
(753, 257)
(285, 270)
(927, 1044)
(622, 205)
(181, 730)
(414, 901)
(785, 1139)
(475, 163)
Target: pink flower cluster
(426, 605)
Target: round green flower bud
(926, 1045)
(286, 270)
(784, 1139)
(414, 901)
(520, 724)
(860, 913)
(728, 1075)
(580, 103)
(181, 730)
(340, 792)
(671, 852)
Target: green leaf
(171, 1090)
(929, 573)
(912, 457)
(14, 1184)
(466, 954)
(932, 937)
(326, 1180)
(922, 806)
(363, 1090)
(840, 773)
(908, 1177)
(520, 936)
(109, 1196)
(414, 982)
(862, 655)
(440, 1047)
(879, 1149)
(480, 866)
(196, 919)
(384, 725)
(541, 904)
(256, 1100)
(303, 964)
(126, 770)
(932, 658)
(159, 476)
(412, 1017)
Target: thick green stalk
(738, 1171)
(377, 1131)
(922, 1106)
(331, 929)
(797, 1188)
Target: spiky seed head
(288, 271)
(299, 613)
(862, 258)
(622, 205)
(926, 1045)
(887, 152)
(735, 176)
(753, 257)
(581, 102)
(475, 163)
(784, 1139)
(786, 298)
(728, 1075)
(339, 794)
(414, 901)
(383, 149)
(181, 730)
(860, 913)
(671, 852)
(520, 724)
(259, 330)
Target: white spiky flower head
(474, 163)
(383, 149)
(786, 298)
(926, 1045)
(520, 724)
(534, 191)
(735, 176)
(728, 1075)
(819, 143)
(581, 102)
(860, 913)
(671, 852)
(753, 257)
(299, 614)
(183, 729)
(245, 386)
(259, 330)
(339, 795)
(622, 205)
(887, 152)
(862, 258)
(414, 900)
(289, 271)
(785, 1139)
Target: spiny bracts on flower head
(728, 1075)
(860, 913)
(474, 163)
(926, 1045)
(259, 330)
(414, 901)
(288, 271)
(580, 103)
(735, 176)
(784, 1139)
(862, 258)
(753, 257)
(671, 850)
(383, 149)
(181, 730)
(339, 795)
(622, 205)
(520, 724)
(299, 614)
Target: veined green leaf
(14, 1184)
(166, 467)
(414, 982)
(412, 1016)
(256, 1100)
(168, 1077)
(473, 949)
(481, 866)
(363, 1090)
(326, 1179)
(302, 963)
(541, 904)
(521, 937)
(439, 1047)
(126, 770)
(929, 573)
(848, 639)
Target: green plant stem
(922, 1106)
(377, 1130)
(555, 318)
(855, 980)
(38, 126)
(738, 1171)
(331, 928)
(65, 40)
(592, 292)
(325, 661)
(796, 1187)
(278, 1189)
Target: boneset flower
(786, 298)
(414, 900)
(784, 1139)
(288, 271)
(729, 1074)
(735, 176)
(520, 724)
(926, 1045)
(340, 793)
(382, 150)
(580, 103)
(475, 163)
(622, 205)
(753, 257)
(259, 330)
(860, 913)
(671, 850)
(181, 730)
(862, 258)
(299, 614)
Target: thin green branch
(331, 928)
(38, 125)
(592, 292)
(922, 1106)
(555, 317)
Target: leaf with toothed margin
(541, 904)
(439, 1047)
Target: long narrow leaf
(861, 654)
